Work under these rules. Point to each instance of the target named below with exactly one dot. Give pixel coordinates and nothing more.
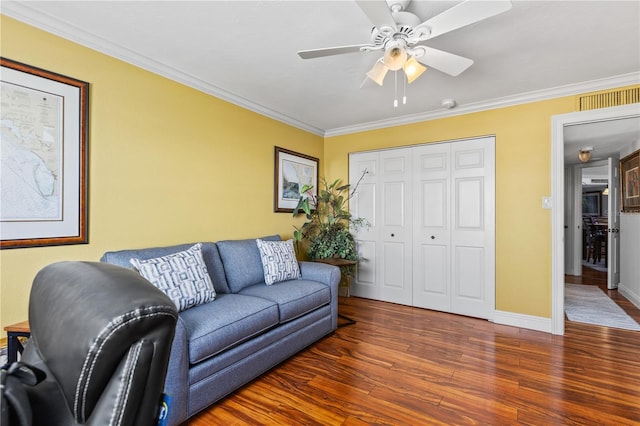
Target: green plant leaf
(334, 184)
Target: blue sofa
(248, 329)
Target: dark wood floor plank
(400, 365)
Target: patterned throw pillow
(278, 261)
(182, 276)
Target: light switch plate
(546, 203)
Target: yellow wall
(168, 164)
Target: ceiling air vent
(608, 99)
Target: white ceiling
(607, 138)
(245, 52)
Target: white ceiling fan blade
(378, 13)
(464, 14)
(446, 62)
(330, 51)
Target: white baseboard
(631, 296)
(523, 321)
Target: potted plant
(327, 231)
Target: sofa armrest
(321, 272)
(176, 384)
(326, 274)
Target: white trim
(522, 321)
(25, 13)
(521, 98)
(558, 122)
(631, 297)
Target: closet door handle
(433, 237)
(393, 235)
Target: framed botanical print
(293, 171)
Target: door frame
(558, 123)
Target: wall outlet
(546, 203)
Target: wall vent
(608, 99)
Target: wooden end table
(14, 345)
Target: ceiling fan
(400, 33)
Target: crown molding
(522, 98)
(21, 11)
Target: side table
(342, 264)
(14, 345)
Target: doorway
(558, 124)
(592, 249)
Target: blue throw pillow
(278, 261)
(182, 276)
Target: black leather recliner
(102, 334)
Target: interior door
(364, 204)
(454, 227)
(432, 227)
(473, 227)
(395, 227)
(613, 234)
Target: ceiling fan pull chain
(404, 92)
(395, 97)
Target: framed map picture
(292, 171)
(630, 182)
(43, 181)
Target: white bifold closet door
(385, 271)
(432, 239)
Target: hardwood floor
(408, 366)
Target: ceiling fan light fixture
(378, 72)
(413, 69)
(395, 56)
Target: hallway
(592, 276)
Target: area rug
(597, 266)
(589, 304)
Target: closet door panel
(469, 200)
(472, 236)
(431, 291)
(365, 204)
(433, 194)
(431, 227)
(394, 278)
(365, 280)
(468, 276)
(395, 216)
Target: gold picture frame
(630, 182)
(43, 190)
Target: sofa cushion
(294, 298)
(278, 261)
(229, 320)
(209, 254)
(242, 264)
(182, 276)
